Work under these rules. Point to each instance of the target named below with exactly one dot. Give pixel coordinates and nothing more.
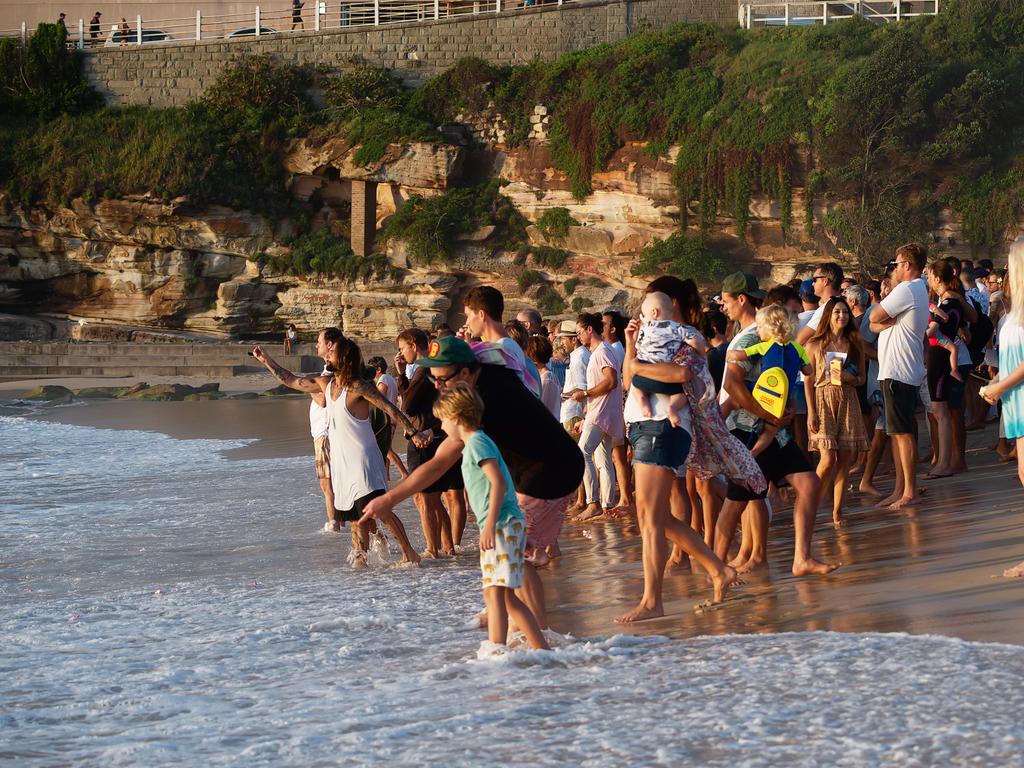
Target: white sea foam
(163, 605)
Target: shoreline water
(166, 605)
(930, 570)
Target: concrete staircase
(213, 360)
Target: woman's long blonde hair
(1015, 277)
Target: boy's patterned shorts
(503, 565)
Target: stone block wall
(172, 74)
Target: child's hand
(487, 536)
(632, 331)
(423, 438)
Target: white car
(117, 37)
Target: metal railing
(828, 11)
(281, 20)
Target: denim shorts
(659, 443)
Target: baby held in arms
(659, 341)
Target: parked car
(117, 37)
(251, 32)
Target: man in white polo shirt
(900, 321)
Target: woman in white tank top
(357, 466)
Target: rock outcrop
(146, 263)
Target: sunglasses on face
(441, 380)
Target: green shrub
(596, 282)
(554, 223)
(362, 89)
(550, 301)
(430, 225)
(579, 304)
(527, 279)
(42, 78)
(325, 254)
(463, 88)
(258, 90)
(375, 129)
(681, 255)
(570, 285)
(550, 258)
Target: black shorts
(450, 480)
(656, 387)
(358, 507)
(775, 461)
(900, 406)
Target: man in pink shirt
(603, 427)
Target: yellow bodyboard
(771, 391)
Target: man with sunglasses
(900, 321)
(545, 464)
(827, 280)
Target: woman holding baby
(667, 388)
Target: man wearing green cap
(782, 460)
(545, 464)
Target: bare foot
(681, 563)
(837, 519)
(622, 511)
(752, 564)
(537, 557)
(412, 556)
(811, 566)
(1015, 572)
(641, 613)
(904, 501)
(886, 501)
(673, 418)
(741, 557)
(592, 512)
(721, 582)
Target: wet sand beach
(933, 569)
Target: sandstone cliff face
(144, 262)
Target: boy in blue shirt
(492, 497)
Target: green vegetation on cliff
(226, 148)
(328, 255)
(681, 255)
(885, 124)
(430, 226)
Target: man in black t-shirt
(544, 462)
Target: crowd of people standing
(658, 415)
